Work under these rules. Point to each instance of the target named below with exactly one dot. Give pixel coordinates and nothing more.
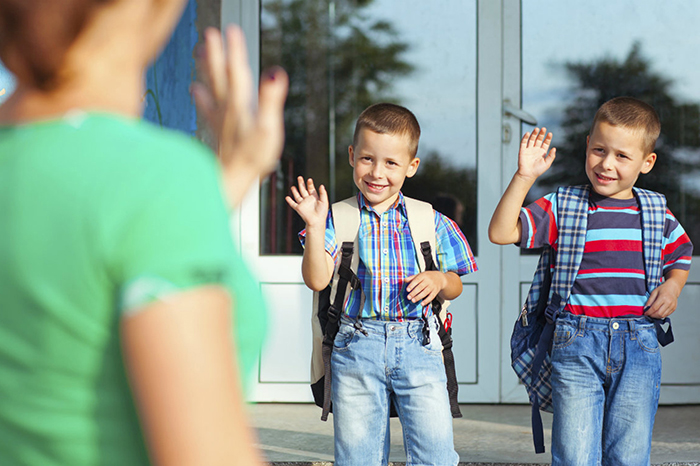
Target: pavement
(293, 434)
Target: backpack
(328, 304)
(554, 277)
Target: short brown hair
(386, 118)
(634, 114)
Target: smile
(375, 187)
(604, 178)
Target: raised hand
(249, 142)
(309, 203)
(533, 157)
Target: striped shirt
(388, 257)
(611, 280)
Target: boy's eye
(622, 156)
(598, 149)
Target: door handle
(517, 112)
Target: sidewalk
(487, 434)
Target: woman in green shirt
(117, 268)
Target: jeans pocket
(435, 345)
(344, 337)
(564, 334)
(647, 340)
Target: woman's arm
(183, 372)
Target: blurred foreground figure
(118, 272)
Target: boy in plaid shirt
(606, 364)
(380, 356)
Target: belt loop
(582, 325)
(633, 328)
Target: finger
(295, 194)
(271, 98)
(430, 298)
(291, 203)
(303, 190)
(215, 63)
(523, 141)
(533, 137)
(547, 141)
(323, 195)
(238, 74)
(310, 186)
(204, 101)
(541, 136)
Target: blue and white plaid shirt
(388, 256)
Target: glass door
(563, 60)
(343, 55)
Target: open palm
(535, 156)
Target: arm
(312, 206)
(183, 373)
(249, 143)
(663, 300)
(533, 161)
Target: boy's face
(381, 163)
(614, 159)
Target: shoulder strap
(572, 221)
(653, 211)
(421, 222)
(346, 221)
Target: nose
(377, 171)
(608, 161)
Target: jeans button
(392, 328)
(616, 325)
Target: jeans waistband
(381, 326)
(614, 324)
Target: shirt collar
(400, 202)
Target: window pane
(345, 55)
(590, 52)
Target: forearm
(238, 177)
(453, 286)
(505, 227)
(676, 278)
(316, 265)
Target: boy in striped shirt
(606, 365)
(380, 355)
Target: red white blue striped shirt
(388, 256)
(611, 278)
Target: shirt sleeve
(678, 249)
(452, 250)
(539, 223)
(331, 244)
(173, 229)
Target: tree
(600, 80)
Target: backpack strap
(653, 211)
(572, 222)
(346, 220)
(421, 222)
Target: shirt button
(386, 224)
(386, 280)
(616, 325)
(385, 251)
(386, 308)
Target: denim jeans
(390, 364)
(606, 375)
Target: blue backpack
(556, 272)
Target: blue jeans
(606, 375)
(390, 364)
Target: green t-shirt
(99, 214)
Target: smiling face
(614, 159)
(381, 163)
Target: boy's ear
(648, 163)
(351, 153)
(412, 167)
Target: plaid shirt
(387, 257)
